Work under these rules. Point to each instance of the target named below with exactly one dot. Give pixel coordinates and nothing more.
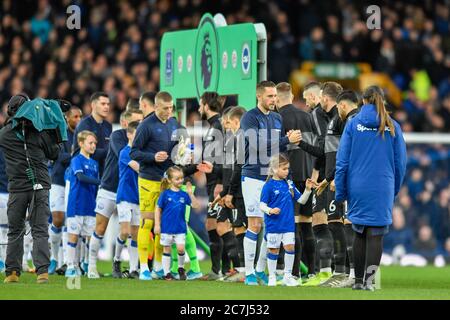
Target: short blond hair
(163, 96)
(236, 112)
(82, 136)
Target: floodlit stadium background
(117, 51)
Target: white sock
(272, 263)
(55, 235)
(288, 262)
(181, 260)
(166, 262)
(65, 240)
(3, 240)
(250, 251)
(134, 256)
(144, 267)
(352, 273)
(325, 270)
(71, 255)
(94, 246)
(86, 251)
(80, 251)
(119, 247)
(61, 254)
(262, 259)
(157, 265)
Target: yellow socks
(144, 241)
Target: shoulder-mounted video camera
(45, 115)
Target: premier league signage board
(215, 57)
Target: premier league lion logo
(206, 61)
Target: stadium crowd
(117, 51)
(117, 48)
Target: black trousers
(37, 203)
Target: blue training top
(369, 169)
(173, 206)
(276, 194)
(128, 179)
(102, 131)
(82, 195)
(153, 136)
(263, 133)
(110, 177)
(60, 165)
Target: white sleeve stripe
(264, 208)
(305, 196)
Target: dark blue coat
(264, 137)
(153, 136)
(110, 178)
(102, 131)
(60, 165)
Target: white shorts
(81, 225)
(274, 240)
(4, 208)
(129, 212)
(168, 239)
(251, 191)
(57, 198)
(66, 195)
(106, 203)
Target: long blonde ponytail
(165, 182)
(275, 162)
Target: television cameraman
(27, 152)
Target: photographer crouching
(30, 138)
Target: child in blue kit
(84, 181)
(170, 221)
(128, 205)
(277, 203)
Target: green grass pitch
(396, 283)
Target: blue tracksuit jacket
(369, 169)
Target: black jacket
(239, 160)
(301, 161)
(320, 125)
(234, 154)
(227, 166)
(334, 133)
(209, 146)
(42, 147)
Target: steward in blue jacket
(369, 168)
